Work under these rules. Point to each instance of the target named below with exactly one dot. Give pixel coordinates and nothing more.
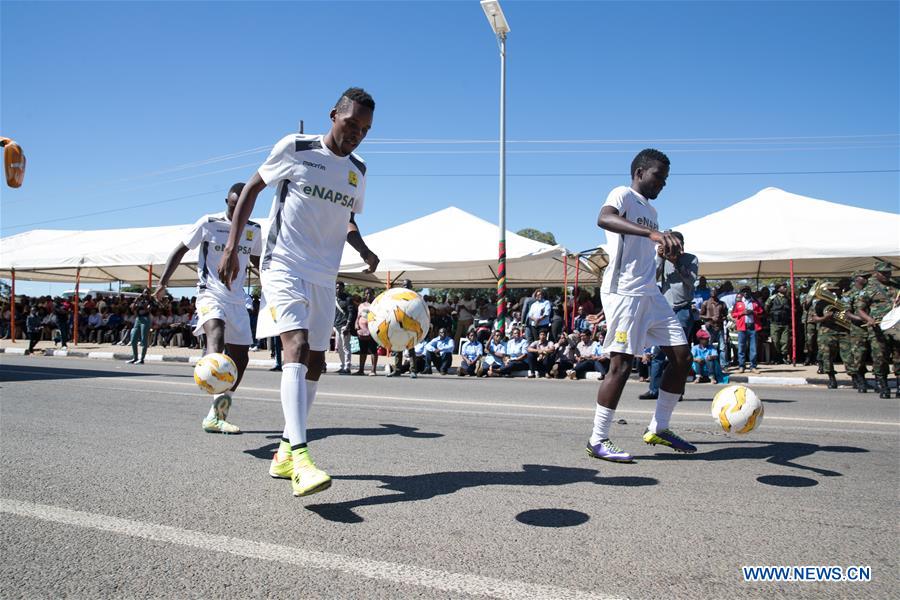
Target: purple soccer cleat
(606, 450)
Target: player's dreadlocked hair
(236, 189)
(647, 156)
(354, 94)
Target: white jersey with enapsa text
(316, 191)
(632, 258)
(210, 233)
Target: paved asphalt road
(444, 488)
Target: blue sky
(146, 112)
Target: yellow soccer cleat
(219, 426)
(307, 478)
(282, 465)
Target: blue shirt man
(439, 353)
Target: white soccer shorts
(291, 303)
(236, 317)
(637, 322)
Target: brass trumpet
(823, 297)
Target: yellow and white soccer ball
(399, 319)
(215, 373)
(737, 409)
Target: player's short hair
(646, 157)
(236, 189)
(354, 94)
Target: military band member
(876, 300)
(829, 334)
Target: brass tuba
(823, 297)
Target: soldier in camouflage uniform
(811, 329)
(778, 308)
(853, 345)
(876, 300)
(829, 335)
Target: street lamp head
(495, 17)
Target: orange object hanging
(13, 162)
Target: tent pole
(150, 276)
(565, 290)
(575, 293)
(388, 283)
(12, 308)
(75, 323)
(793, 320)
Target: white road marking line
(498, 405)
(436, 579)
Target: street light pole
(501, 28)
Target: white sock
(293, 402)
(665, 404)
(603, 418)
(311, 387)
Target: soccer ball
(215, 373)
(737, 409)
(399, 319)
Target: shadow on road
(266, 451)
(552, 517)
(777, 453)
(14, 373)
(412, 488)
(787, 481)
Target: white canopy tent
(103, 255)
(448, 248)
(453, 248)
(760, 236)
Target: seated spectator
(541, 356)
(590, 358)
(470, 357)
(706, 360)
(439, 353)
(495, 357)
(93, 322)
(564, 358)
(516, 354)
(114, 326)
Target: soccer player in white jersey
(637, 314)
(320, 187)
(222, 315)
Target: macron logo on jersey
(313, 165)
(647, 223)
(316, 191)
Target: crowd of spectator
(726, 328)
(102, 319)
